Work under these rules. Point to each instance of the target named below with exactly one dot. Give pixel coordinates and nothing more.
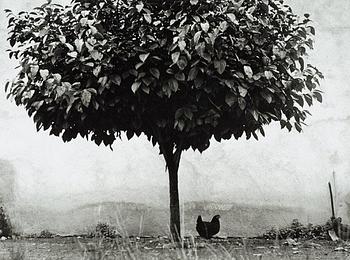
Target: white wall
(283, 168)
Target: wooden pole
(335, 193)
(332, 203)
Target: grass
(127, 247)
(16, 253)
(191, 248)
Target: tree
(180, 72)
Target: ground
(162, 248)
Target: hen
(208, 229)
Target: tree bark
(172, 162)
(174, 203)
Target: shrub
(5, 224)
(297, 230)
(105, 230)
(46, 234)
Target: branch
(177, 154)
(216, 107)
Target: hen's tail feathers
(199, 219)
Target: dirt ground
(161, 248)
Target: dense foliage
(178, 71)
(46, 234)
(104, 230)
(297, 230)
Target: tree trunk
(172, 162)
(174, 203)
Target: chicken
(208, 229)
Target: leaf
(57, 77)
(220, 65)
(79, 44)
(268, 74)
(242, 91)
(143, 57)
(230, 99)
(43, 32)
(300, 100)
(267, 97)
(181, 125)
(262, 131)
(248, 71)
(205, 26)
(182, 45)
(147, 17)
(194, 2)
(147, 80)
(182, 63)
(318, 96)
(98, 36)
(242, 103)
(196, 37)
(188, 113)
(180, 76)
(73, 54)
(44, 74)
(179, 112)
(155, 72)
(83, 21)
(62, 38)
(223, 26)
(92, 90)
(175, 56)
(90, 64)
(255, 114)
(38, 104)
(312, 30)
(192, 74)
(86, 97)
(7, 85)
(139, 7)
(232, 17)
(96, 55)
(302, 64)
(135, 86)
(103, 81)
(174, 85)
(60, 90)
(198, 82)
(145, 89)
(70, 46)
(138, 65)
(116, 79)
(298, 127)
(229, 83)
(93, 30)
(96, 71)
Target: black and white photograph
(174, 129)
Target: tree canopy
(180, 71)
